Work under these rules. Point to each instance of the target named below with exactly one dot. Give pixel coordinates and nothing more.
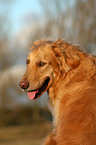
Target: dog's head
(45, 64)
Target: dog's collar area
(34, 94)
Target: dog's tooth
(22, 90)
(54, 75)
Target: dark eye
(41, 64)
(27, 61)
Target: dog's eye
(41, 64)
(27, 61)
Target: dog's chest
(51, 106)
(54, 109)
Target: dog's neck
(64, 86)
(53, 93)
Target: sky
(20, 8)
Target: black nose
(24, 84)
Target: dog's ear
(61, 60)
(67, 60)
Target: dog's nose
(24, 84)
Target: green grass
(24, 135)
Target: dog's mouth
(34, 94)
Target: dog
(69, 76)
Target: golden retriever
(69, 76)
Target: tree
(6, 57)
(84, 23)
(73, 20)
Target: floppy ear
(67, 60)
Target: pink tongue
(31, 95)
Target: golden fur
(72, 90)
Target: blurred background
(24, 122)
